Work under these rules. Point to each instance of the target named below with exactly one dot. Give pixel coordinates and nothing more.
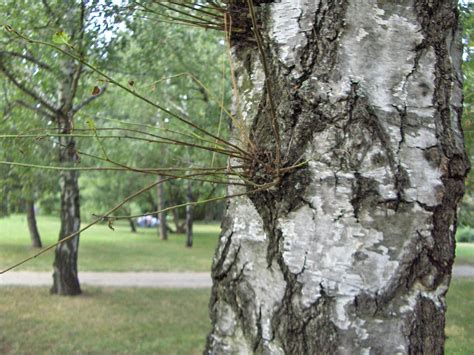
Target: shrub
(465, 234)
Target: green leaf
(90, 123)
(61, 37)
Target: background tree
(466, 215)
(24, 188)
(57, 95)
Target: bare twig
(90, 99)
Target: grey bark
(65, 278)
(32, 225)
(162, 229)
(352, 252)
(189, 215)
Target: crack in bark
(223, 256)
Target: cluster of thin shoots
(206, 15)
(213, 16)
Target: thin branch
(106, 216)
(193, 136)
(31, 92)
(29, 58)
(33, 108)
(200, 19)
(90, 99)
(51, 13)
(164, 140)
(174, 19)
(195, 203)
(178, 22)
(80, 41)
(97, 220)
(149, 171)
(182, 4)
(123, 87)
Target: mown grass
(101, 249)
(146, 321)
(465, 254)
(104, 321)
(459, 318)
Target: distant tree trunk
(352, 252)
(162, 229)
(180, 226)
(189, 215)
(4, 203)
(65, 278)
(32, 227)
(133, 228)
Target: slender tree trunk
(133, 228)
(189, 215)
(65, 278)
(180, 227)
(32, 227)
(4, 203)
(351, 252)
(162, 229)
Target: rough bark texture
(65, 278)
(353, 252)
(32, 226)
(162, 229)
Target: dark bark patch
(426, 328)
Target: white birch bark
(352, 253)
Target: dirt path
(144, 279)
(463, 271)
(115, 279)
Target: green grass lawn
(104, 321)
(465, 253)
(460, 319)
(145, 321)
(101, 249)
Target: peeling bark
(353, 252)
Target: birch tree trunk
(32, 226)
(351, 253)
(65, 278)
